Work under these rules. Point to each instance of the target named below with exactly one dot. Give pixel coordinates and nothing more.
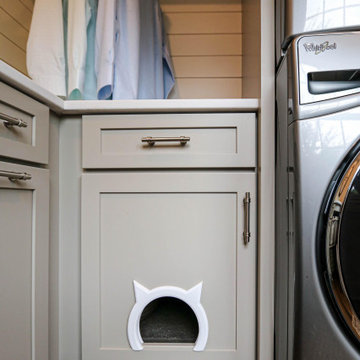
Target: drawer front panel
(169, 141)
(29, 142)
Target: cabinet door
(24, 239)
(168, 229)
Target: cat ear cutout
(141, 292)
(195, 293)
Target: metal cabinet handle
(12, 176)
(12, 121)
(152, 140)
(247, 233)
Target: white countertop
(67, 107)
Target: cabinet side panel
(54, 239)
(266, 185)
(69, 239)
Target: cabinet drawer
(29, 142)
(180, 141)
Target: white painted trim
(266, 186)
(170, 105)
(145, 296)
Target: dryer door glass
(343, 246)
(349, 244)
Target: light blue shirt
(127, 50)
(143, 68)
(105, 48)
(90, 75)
(89, 86)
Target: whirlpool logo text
(319, 48)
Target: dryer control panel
(328, 66)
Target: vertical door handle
(247, 233)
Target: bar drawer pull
(152, 140)
(12, 176)
(247, 233)
(12, 121)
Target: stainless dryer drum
(343, 246)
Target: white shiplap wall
(205, 38)
(15, 20)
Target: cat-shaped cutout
(145, 296)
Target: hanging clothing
(169, 76)
(45, 58)
(143, 68)
(127, 50)
(156, 74)
(78, 16)
(106, 41)
(104, 48)
(90, 91)
(80, 66)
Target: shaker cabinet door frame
(168, 228)
(24, 254)
(220, 140)
(29, 142)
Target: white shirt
(45, 57)
(104, 48)
(78, 18)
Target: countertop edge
(78, 107)
(148, 106)
(21, 82)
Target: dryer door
(343, 246)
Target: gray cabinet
(168, 229)
(24, 247)
(151, 236)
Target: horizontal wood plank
(207, 89)
(12, 54)
(18, 11)
(205, 39)
(207, 66)
(185, 45)
(203, 23)
(28, 3)
(13, 30)
(200, 5)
